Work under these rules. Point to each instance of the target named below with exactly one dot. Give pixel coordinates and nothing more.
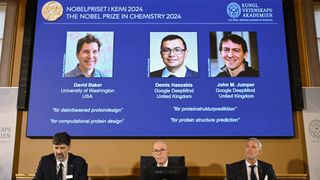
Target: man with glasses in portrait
(173, 51)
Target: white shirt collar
(180, 73)
(63, 162)
(248, 164)
(165, 164)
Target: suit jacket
(77, 167)
(238, 171)
(189, 73)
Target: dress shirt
(249, 170)
(165, 164)
(64, 169)
(181, 73)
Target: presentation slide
(141, 68)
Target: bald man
(160, 158)
(160, 153)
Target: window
(2, 22)
(8, 24)
(317, 22)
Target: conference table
(191, 177)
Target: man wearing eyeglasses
(173, 51)
(159, 160)
(160, 153)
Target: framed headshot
(233, 54)
(173, 54)
(89, 54)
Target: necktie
(172, 76)
(252, 174)
(60, 172)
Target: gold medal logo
(52, 10)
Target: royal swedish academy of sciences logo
(314, 128)
(233, 10)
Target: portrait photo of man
(89, 55)
(231, 55)
(171, 56)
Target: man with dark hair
(61, 165)
(88, 51)
(251, 168)
(173, 51)
(233, 49)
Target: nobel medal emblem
(52, 10)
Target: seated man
(61, 165)
(160, 158)
(251, 168)
(160, 153)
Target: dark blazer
(238, 171)
(189, 73)
(77, 166)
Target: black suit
(238, 171)
(189, 73)
(77, 167)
